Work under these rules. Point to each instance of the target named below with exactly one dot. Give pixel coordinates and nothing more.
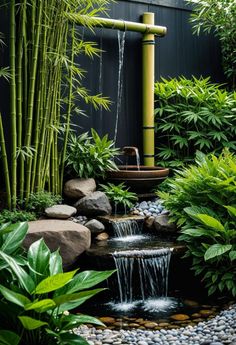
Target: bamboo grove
(46, 89)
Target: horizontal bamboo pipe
(118, 24)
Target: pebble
(149, 208)
(220, 330)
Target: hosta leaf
(41, 306)
(38, 256)
(232, 255)
(73, 339)
(9, 338)
(210, 221)
(13, 239)
(29, 323)
(14, 297)
(216, 250)
(54, 282)
(55, 263)
(72, 321)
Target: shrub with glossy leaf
(35, 293)
(90, 156)
(202, 200)
(119, 194)
(192, 115)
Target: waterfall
(126, 228)
(153, 270)
(121, 46)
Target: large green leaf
(71, 301)
(14, 239)
(24, 279)
(86, 280)
(210, 221)
(9, 338)
(14, 297)
(41, 306)
(38, 256)
(76, 320)
(72, 339)
(216, 250)
(30, 323)
(55, 263)
(54, 282)
(232, 255)
(231, 210)
(197, 232)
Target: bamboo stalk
(5, 164)
(13, 104)
(31, 96)
(69, 106)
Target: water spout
(132, 151)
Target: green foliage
(35, 293)
(218, 17)
(90, 156)
(192, 115)
(16, 216)
(119, 194)
(201, 199)
(40, 200)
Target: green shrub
(202, 200)
(90, 156)
(16, 216)
(192, 115)
(35, 293)
(40, 200)
(119, 194)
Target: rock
(191, 303)
(94, 204)
(107, 320)
(150, 324)
(95, 226)
(149, 221)
(79, 187)
(72, 238)
(206, 312)
(179, 317)
(103, 236)
(161, 223)
(60, 211)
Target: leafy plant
(201, 199)
(16, 216)
(119, 194)
(36, 294)
(40, 200)
(218, 17)
(192, 115)
(90, 156)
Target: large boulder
(94, 204)
(79, 187)
(72, 238)
(60, 211)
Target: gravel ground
(220, 330)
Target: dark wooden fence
(179, 53)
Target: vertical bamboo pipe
(148, 55)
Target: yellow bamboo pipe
(149, 31)
(118, 24)
(148, 55)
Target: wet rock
(191, 303)
(79, 187)
(149, 221)
(95, 226)
(161, 223)
(179, 317)
(72, 239)
(94, 204)
(60, 211)
(103, 236)
(134, 325)
(206, 312)
(150, 324)
(107, 320)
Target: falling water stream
(121, 46)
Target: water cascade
(121, 46)
(153, 269)
(126, 228)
